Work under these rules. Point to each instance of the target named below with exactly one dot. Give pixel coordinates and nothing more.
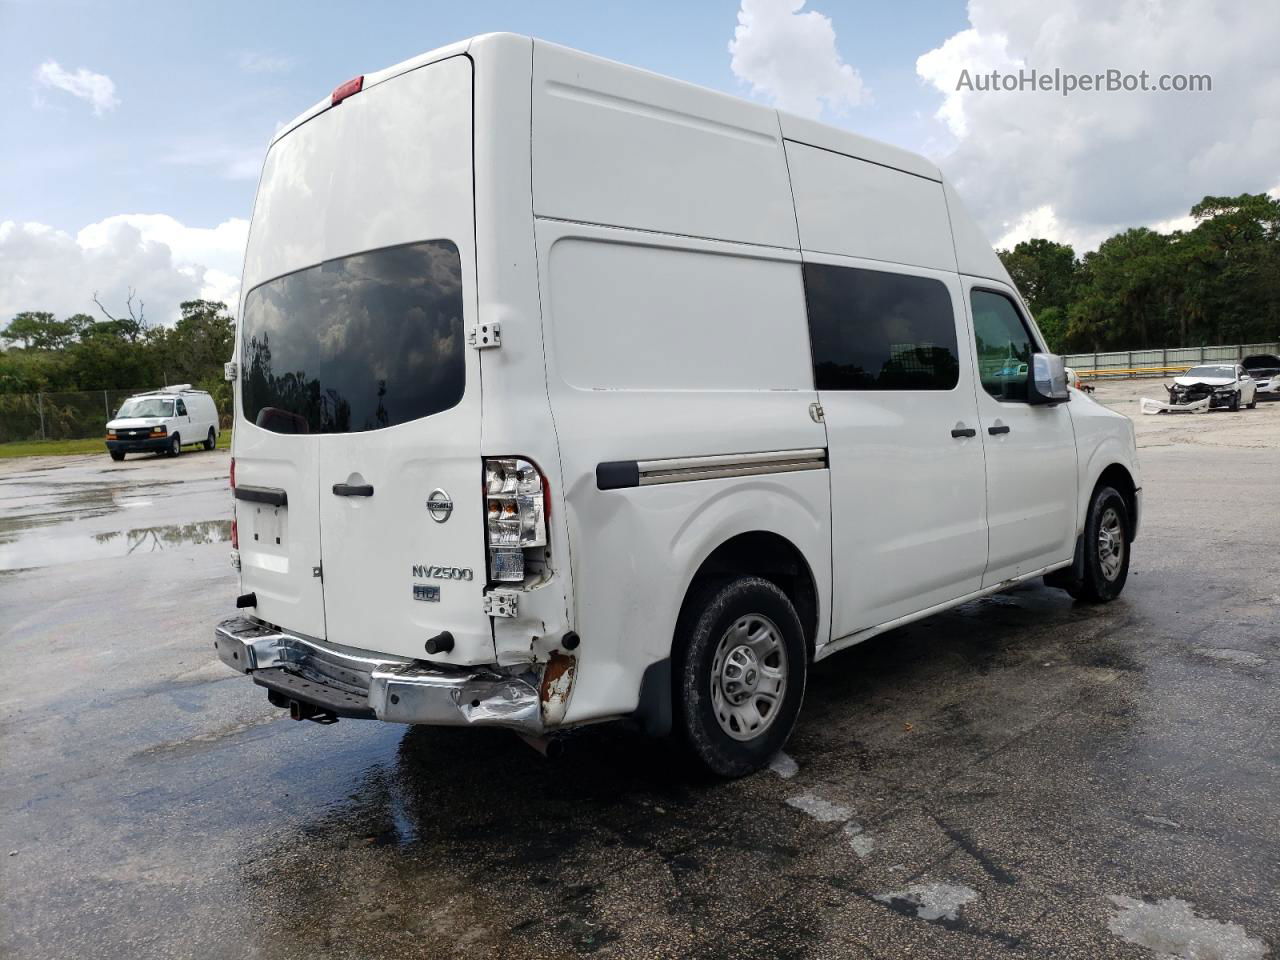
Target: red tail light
(235, 536)
(342, 91)
(233, 473)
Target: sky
(134, 131)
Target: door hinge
(485, 335)
(318, 572)
(229, 370)
(816, 412)
(501, 603)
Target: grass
(66, 448)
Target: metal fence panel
(1125, 360)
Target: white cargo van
(164, 421)
(567, 393)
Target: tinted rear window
(359, 343)
(872, 330)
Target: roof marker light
(344, 90)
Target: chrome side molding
(620, 474)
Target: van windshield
(147, 407)
(358, 343)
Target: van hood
(127, 423)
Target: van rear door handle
(964, 432)
(353, 489)
(1000, 429)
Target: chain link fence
(70, 416)
(1157, 362)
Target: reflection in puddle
(44, 551)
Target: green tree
(39, 330)
(1046, 273)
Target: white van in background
(567, 393)
(164, 421)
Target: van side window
(872, 330)
(1004, 343)
(182, 409)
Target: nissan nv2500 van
(569, 393)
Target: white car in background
(1264, 368)
(1224, 384)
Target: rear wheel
(117, 455)
(1106, 549)
(740, 674)
(175, 445)
(210, 440)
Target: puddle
(1170, 928)
(47, 551)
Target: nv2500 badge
(428, 572)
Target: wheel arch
(770, 556)
(1117, 475)
(761, 553)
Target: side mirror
(1047, 379)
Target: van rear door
(356, 374)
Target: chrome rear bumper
(397, 690)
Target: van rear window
(358, 343)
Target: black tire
(708, 652)
(116, 455)
(175, 445)
(211, 440)
(1253, 403)
(1104, 578)
(1235, 402)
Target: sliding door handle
(353, 489)
(964, 432)
(1001, 428)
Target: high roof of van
(598, 123)
(793, 127)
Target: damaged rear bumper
(340, 681)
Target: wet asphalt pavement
(1021, 776)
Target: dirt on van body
(1021, 776)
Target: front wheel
(210, 440)
(175, 446)
(1106, 548)
(117, 455)
(1235, 402)
(1252, 403)
(740, 674)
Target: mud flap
(653, 712)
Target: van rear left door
(360, 396)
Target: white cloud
(790, 58)
(255, 61)
(166, 262)
(1084, 166)
(96, 88)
